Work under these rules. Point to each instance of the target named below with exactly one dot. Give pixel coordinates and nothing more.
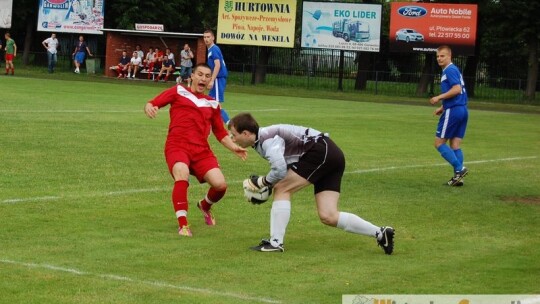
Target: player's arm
(273, 150)
(89, 53)
(454, 91)
(14, 50)
(438, 111)
(43, 43)
(222, 135)
(229, 144)
(215, 72)
(166, 97)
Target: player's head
(209, 37)
(444, 55)
(135, 54)
(244, 129)
(7, 35)
(186, 46)
(201, 76)
(81, 38)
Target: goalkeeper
(298, 157)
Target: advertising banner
(6, 8)
(71, 16)
(422, 27)
(341, 26)
(257, 22)
(441, 299)
(149, 27)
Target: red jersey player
(192, 116)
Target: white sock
(355, 224)
(180, 213)
(129, 75)
(279, 219)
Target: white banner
(6, 9)
(441, 299)
(149, 27)
(71, 16)
(341, 26)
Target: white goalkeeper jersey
(283, 145)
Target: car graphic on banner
(409, 35)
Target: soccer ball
(256, 197)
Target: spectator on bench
(134, 64)
(122, 66)
(167, 65)
(155, 64)
(149, 58)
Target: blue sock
(224, 115)
(450, 157)
(459, 155)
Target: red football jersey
(192, 115)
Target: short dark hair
(209, 31)
(202, 64)
(244, 122)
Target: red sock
(213, 196)
(180, 201)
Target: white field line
(195, 290)
(134, 191)
(440, 164)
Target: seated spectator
(170, 55)
(149, 58)
(167, 65)
(155, 64)
(122, 66)
(134, 64)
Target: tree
(24, 23)
(175, 15)
(510, 38)
(520, 18)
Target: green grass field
(85, 212)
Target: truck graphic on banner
(351, 30)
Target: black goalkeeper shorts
(322, 165)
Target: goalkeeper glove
(256, 182)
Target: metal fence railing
(378, 82)
(323, 74)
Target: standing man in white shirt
(51, 45)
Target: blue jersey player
(453, 115)
(219, 72)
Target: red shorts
(199, 159)
(9, 57)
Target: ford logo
(412, 11)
